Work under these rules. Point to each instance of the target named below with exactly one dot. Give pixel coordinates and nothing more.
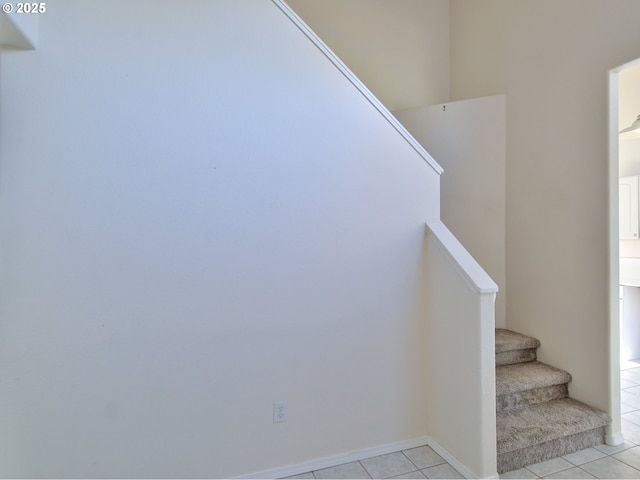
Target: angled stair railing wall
(460, 300)
(355, 81)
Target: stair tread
(543, 422)
(520, 377)
(508, 340)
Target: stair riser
(545, 451)
(516, 356)
(531, 397)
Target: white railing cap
(467, 266)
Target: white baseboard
(614, 440)
(327, 462)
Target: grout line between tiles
(410, 461)
(365, 468)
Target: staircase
(535, 418)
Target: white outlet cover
(279, 412)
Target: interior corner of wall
(18, 30)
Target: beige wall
(398, 48)
(551, 59)
(472, 187)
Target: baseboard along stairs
(535, 418)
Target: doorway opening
(624, 239)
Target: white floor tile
(424, 457)
(633, 390)
(347, 470)
(416, 474)
(575, 472)
(550, 467)
(631, 457)
(629, 398)
(389, 465)
(633, 417)
(584, 456)
(442, 471)
(630, 376)
(629, 364)
(520, 473)
(610, 467)
(631, 432)
(610, 449)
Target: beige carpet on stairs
(535, 418)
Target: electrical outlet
(279, 412)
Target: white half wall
(200, 216)
(468, 138)
(460, 299)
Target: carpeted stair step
(546, 430)
(523, 384)
(513, 347)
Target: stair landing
(513, 347)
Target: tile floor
(420, 462)
(602, 461)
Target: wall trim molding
(384, 111)
(615, 439)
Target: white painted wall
(200, 216)
(551, 60)
(468, 139)
(399, 48)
